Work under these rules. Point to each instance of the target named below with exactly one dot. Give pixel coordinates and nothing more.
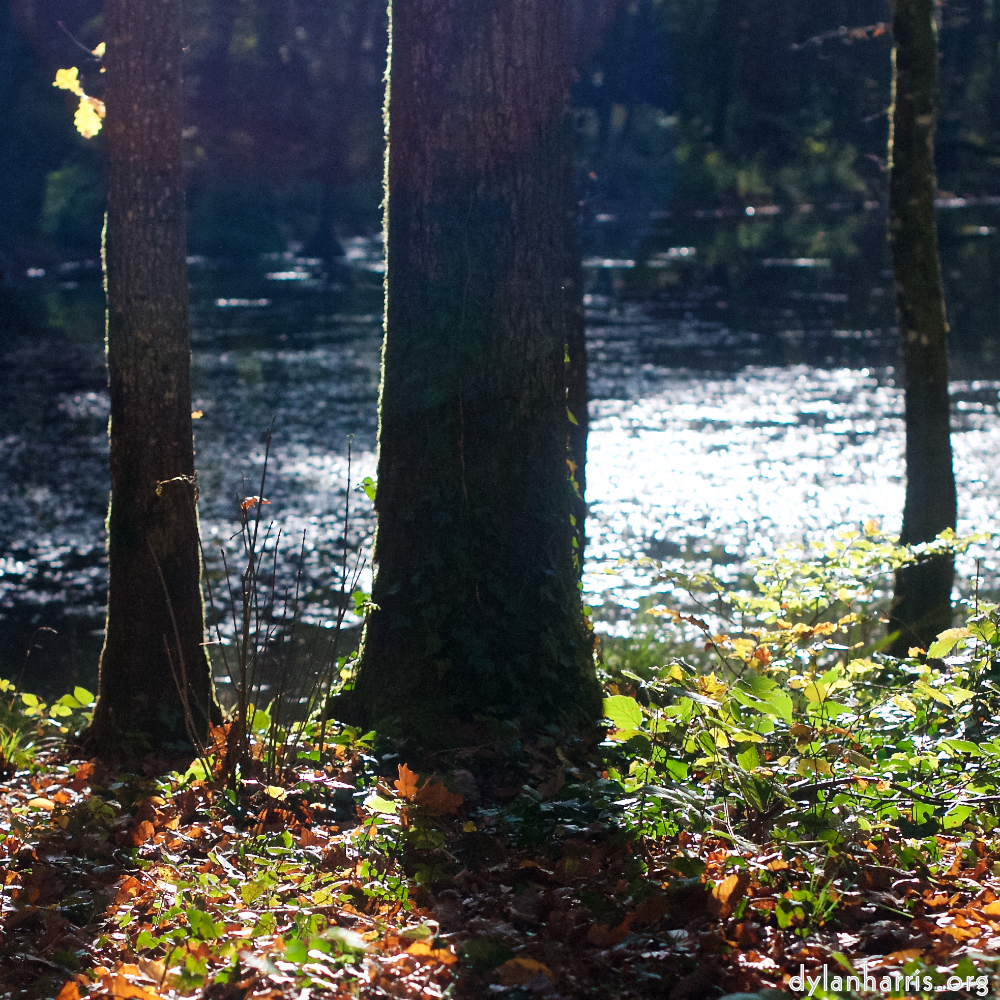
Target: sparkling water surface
(709, 440)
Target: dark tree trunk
(922, 603)
(153, 659)
(477, 576)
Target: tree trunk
(922, 603)
(477, 584)
(153, 662)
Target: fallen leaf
(607, 937)
(69, 992)
(423, 951)
(517, 971)
(650, 910)
(141, 833)
(727, 894)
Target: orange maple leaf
(406, 784)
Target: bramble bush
(785, 721)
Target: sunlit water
(718, 461)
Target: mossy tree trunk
(922, 603)
(479, 609)
(153, 659)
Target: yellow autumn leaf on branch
(90, 111)
(88, 116)
(69, 79)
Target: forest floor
(365, 878)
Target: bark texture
(477, 574)
(922, 603)
(153, 660)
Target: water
(743, 395)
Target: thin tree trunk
(922, 604)
(153, 660)
(477, 581)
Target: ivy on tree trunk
(477, 583)
(922, 603)
(154, 670)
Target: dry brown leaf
(727, 894)
(437, 799)
(406, 784)
(517, 971)
(650, 910)
(69, 992)
(607, 937)
(141, 833)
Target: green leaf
(29, 699)
(83, 696)
(251, 891)
(945, 642)
(369, 485)
(377, 804)
(961, 747)
(625, 712)
(346, 940)
(296, 951)
(572, 419)
(749, 759)
(417, 933)
(956, 816)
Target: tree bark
(153, 663)
(477, 584)
(922, 603)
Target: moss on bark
(477, 575)
(922, 602)
(153, 661)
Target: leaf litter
(124, 886)
(686, 858)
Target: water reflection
(711, 436)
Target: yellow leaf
(68, 79)
(815, 691)
(276, 791)
(47, 804)
(197, 414)
(99, 51)
(744, 648)
(69, 992)
(901, 701)
(728, 893)
(88, 117)
(422, 950)
(517, 971)
(825, 628)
